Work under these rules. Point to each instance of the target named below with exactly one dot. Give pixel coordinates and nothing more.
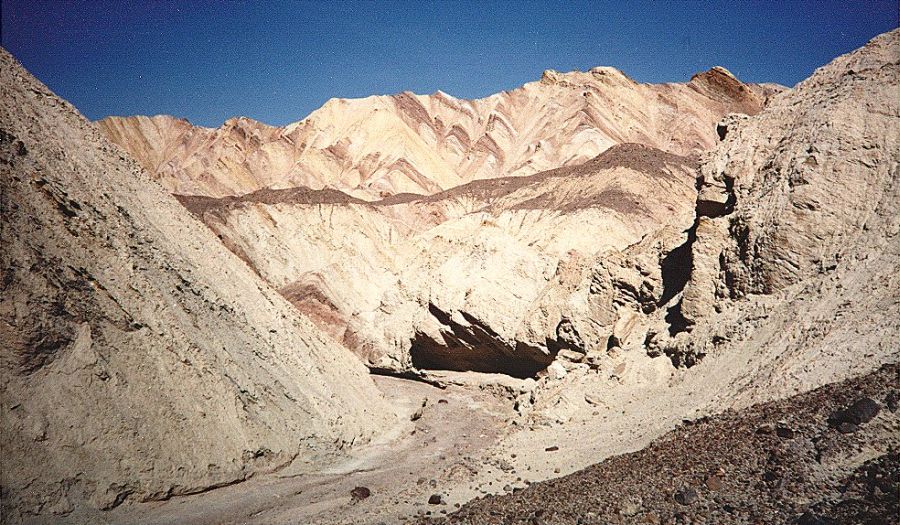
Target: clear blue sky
(276, 62)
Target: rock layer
(140, 358)
(405, 143)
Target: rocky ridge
(384, 145)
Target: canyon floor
(443, 448)
(822, 457)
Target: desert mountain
(406, 143)
(641, 283)
(447, 281)
(636, 249)
(140, 358)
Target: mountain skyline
(277, 62)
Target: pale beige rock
(478, 277)
(704, 289)
(140, 358)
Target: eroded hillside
(140, 358)
(406, 143)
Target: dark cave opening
(429, 355)
(475, 347)
(676, 267)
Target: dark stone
(360, 493)
(861, 411)
(864, 410)
(554, 448)
(436, 499)
(686, 496)
(784, 432)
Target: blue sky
(278, 61)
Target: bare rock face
(809, 195)
(386, 145)
(140, 358)
(798, 210)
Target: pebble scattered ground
(829, 456)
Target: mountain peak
(407, 143)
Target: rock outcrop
(800, 204)
(140, 358)
(385, 145)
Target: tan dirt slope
(406, 143)
(140, 358)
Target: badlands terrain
(585, 300)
